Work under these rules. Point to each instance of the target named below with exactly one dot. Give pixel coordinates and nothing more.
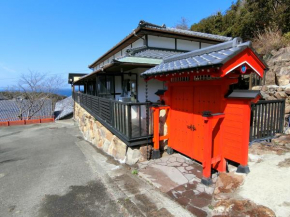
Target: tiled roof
(2, 97)
(146, 25)
(213, 55)
(143, 23)
(9, 110)
(63, 108)
(143, 54)
(154, 53)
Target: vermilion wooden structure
(206, 121)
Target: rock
(270, 77)
(132, 156)
(264, 88)
(143, 152)
(271, 98)
(287, 90)
(266, 148)
(100, 145)
(243, 208)
(283, 140)
(287, 131)
(228, 183)
(105, 145)
(272, 89)
(287, 109)
(264, 95)
(283, 80)
(280, 95)
(284, 71)
(257, 88)
(109, 135)
(254, 158)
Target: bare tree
(35, 88)
(182, 24)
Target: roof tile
(213, 55)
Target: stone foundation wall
(94, 132)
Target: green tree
(245, 18)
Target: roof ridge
(201, 33)
(143, 23)
(132, 51)
(229, 44)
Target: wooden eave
(114, 68)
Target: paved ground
(266, 185)
(180, 178)
(49, 170)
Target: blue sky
(57, 36)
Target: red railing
(35, 120)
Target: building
(116, 94)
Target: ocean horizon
(64, 92)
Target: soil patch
(242, 208)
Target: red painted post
(156, 136)
(243, 167)
(207, 149)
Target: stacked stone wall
(97, 134)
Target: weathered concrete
(50, 170)
(44, 173)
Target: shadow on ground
(88, 200)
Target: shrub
(268, 40)
(134, 172)
(287, 36)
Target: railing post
(129, 121)
(282, 112)
(139, 120)
(112, 112)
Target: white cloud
(3, 66)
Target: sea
(64, 92)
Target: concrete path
(49, 170)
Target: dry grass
(268, 40)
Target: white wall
(153, 86)
(111, 58)
(204, 45)
(118, 86)
(187, 45)
(118, 54)
(124, 50)
(138, 43)
(161, 42)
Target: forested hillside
(247, 18)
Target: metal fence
(127, 120)
(267, 119)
